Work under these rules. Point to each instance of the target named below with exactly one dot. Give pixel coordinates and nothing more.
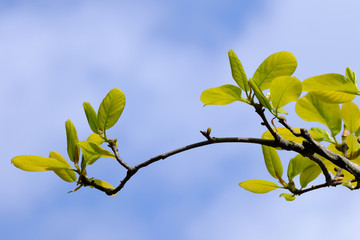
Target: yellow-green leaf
(353, 144)
(272, 161)
(93, 152)
(351, 116)
(277, 65)
(104, 184)
(110, 109)
(95, 138)
(310, 108)
(222, 95)
(237, 71)
(297, 165)
(320, 134)
(72, 141)
(260, 96)
(333, 96)
(351, 75)
(288, 197)
(284, 90)
(36, 163)
(309, 174)
(285, 133)
(259, 186)
(67, 175)
(91, 116)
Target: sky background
(55, 55)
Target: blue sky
(162, 54)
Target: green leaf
(91, 116)
(110, 109)
(95, 138)
(103, 184)
(284, 90)
(93, 152)
(288, 197)
(351, 75)
(272, 161)
(72, 141)
(297, 165)
(277, 65)
(311, 108)
(67, 175)
(259, 186)
(237, 71)
(260, 96)
(309, 174)
(222, 95)
(331, 87)
(351, 116)
(36, 163)
(285, 133)
(353, 144)
(321, 134)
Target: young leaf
(322, 135)
(260, 96)
(36, 163)
(72, 141)
(103, 184)
(288, 197)
(110, 109)
(277, 65)
(93, 152)
(67, 175)
(222, 95)
(91, 116)
(297, 165)
(351, 75)
(284, 90)
(95, 138)
(237, 71)
(351, 116)
(310, 109)
(259, 186)
(309, 174)
(272, 161)
(353, 144)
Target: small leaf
(285, 133)
(95, 138)
(288, 197)
(103, 184)
(309, 174)
(110, 109)
(36, 163)
(311, 108)
(353, 144)
(72, 141)
(272, 161)
(277, 65)
(351, 116)
(322, 135)
(93, 152)
(297, 165)
(67, 175)
(284, 90)
(260, 96)
(259, 186)
(222, 95)
(91, 116)
(237, 71)
(351, 75)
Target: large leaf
(260, 96)
(237, 71)
(72, 141)
(284, 90)
(91, 116)
(330, 82)
(36, 163)
(259, 186)
(311, 109)
(277, 65)
(333, 96)
(351, 116)
(309, 174)
(93, 152)
(110, 109)
(297, 165)
(222, 95)
(272, 161)
(67, 175)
